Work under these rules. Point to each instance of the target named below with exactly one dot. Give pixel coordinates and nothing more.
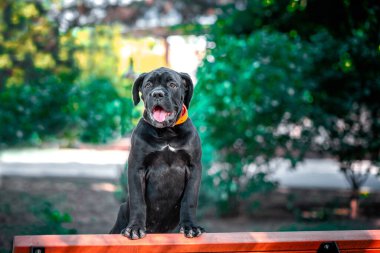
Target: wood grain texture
(298, 242)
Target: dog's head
(164, 92)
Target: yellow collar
(184, 116)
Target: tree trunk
(356, 179)
(354, 204)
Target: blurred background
(287, 103)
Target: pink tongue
(159, 115)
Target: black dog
(164, 164)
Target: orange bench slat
(299, 242)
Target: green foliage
(42, 98)
(30, 215)
(50, 108)
(249, 92)
(103, 114)
(35, 110)
(303, 18)
(35, 80)
(50, 220)
(346, 98)
(29, 43)
(345, 39)
(311, 82)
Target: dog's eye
(172, 85)
(148, 85)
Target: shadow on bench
(296, 242)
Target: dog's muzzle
(159, 114)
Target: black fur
(164, 164)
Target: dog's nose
(158, 94)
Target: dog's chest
(168, 147)
(168, 155)
(166, 171)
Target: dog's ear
(137, 88)
(189, 88)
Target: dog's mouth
(159, 114)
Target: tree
(346, 105)
(34, 74)
(342, 41)
(250, 89)
(30, 44)
(347, 108)
(42, 98)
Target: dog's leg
(189, 204)
(136, 227)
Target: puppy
(164, 164)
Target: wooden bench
(367, 241)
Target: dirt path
(35, 206)
(30, 205)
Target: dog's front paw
(190, 230)
(134, 232)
